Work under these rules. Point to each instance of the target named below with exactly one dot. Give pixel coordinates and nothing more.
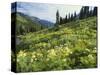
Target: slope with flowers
(69, 46)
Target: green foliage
(85, 12)
(70, 47)
(24, 24)
(57, 18)
(95, 10)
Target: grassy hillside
(70, 46)
(24, 24)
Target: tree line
(85, 12)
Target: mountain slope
(82, 29)
(44, 23)
(47, 24)
(72, 46)
(25, 23)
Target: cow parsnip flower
(64, 60)
(24, 54)
(20, 54)
(18, 60)
(51, 53)
(33, 56)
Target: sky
(46, 11)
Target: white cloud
(48, 11)
(63, 10)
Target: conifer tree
(81, 15)
(66, 19)
(71, 18)
(90, 13)
(57, 17)
(95, 11)
(75, 15)
(86, 11)
(61, 20)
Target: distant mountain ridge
(26, 23)
(43, 22)
(46, 23)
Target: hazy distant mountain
(26, 23)
(46, 23)
(41, 21)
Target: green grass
(72, 46)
